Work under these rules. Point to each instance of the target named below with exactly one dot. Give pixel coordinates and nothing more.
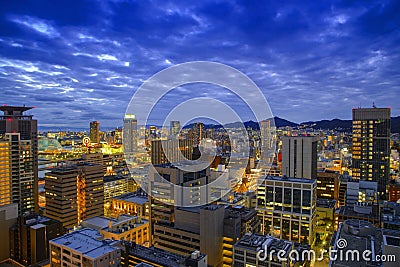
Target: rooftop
(121, 224)
(134, 198)
(289, 179)
(14, 110)
(256, 242)
(155, 255)
(86, 241)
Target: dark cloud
(83, 60)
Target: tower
(14, 121)
(94, 132)
(299, 157)
(371, 146)
(130, 134)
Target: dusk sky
(79, 61)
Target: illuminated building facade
(74, 193)
(15, 121)
(371, 146)
(94, 132)
(328, 185)
(167, 151)
(197, 132)
(17, 172)
(299, 157)
(131, 203)
(287, 208)
(84, 248)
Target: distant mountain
(345, 125)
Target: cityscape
(217, 133)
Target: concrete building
(287, 207)
(8, 218)
(171, 150)
(359, 236)
(371, 146)
(114, 186)
(30, 236)
(299, 157)
(124, 227)
(175, 128)
(84, 248)
(94, 133)
(130, 134)
(134, 255)
(131, 203)
(17, 175)
(74, 193)
(246, 249)
(328, 185)
(390, 215)
(15, 121)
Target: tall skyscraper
(175, 129)
(94, 132)
(371, 146)
(16, 167)
(197, 132)
(14, 121)
(130, 134)
(299, 157)
(74, 193)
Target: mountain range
(335, 124)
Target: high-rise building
(130, 134)
(15, 121)
(267, 139)
(287, 208)
(197, 132)
(30, 238)
(371, 146)
(94, 132)
(175, 129)
(17, 172)
(74, 193)
(299, 157)
(328, 185)
(172, 150)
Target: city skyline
(345, 55)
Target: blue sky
(82, 60)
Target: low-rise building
(84, 248)
(131, 203)
(125, 227)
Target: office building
(197, 133)
(84, 248)
(124, 227)
(371, 146)
(17, 172)
(130, 134)
(30, 236)
(287, 207)
(8, 218)
(135, 255)
(175, 128)
(246, 249)
(114, 186)
(94, 133)
(328, 185)
(390, 215)
(299, 156)
(358, 235)
(131, 203)
(267, 143)
(14, 121)
(394, 192)
(74, 193)
(172, 150)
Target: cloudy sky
(78, 61)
